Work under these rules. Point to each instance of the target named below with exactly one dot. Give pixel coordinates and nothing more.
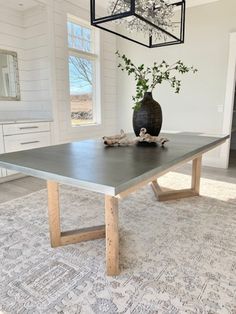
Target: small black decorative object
(149, 116)
(150, 24)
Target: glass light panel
(111, 8)
(120, 27)
(149, 23)
(171, 27)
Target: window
(82, 73)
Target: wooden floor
(225, 175)
(20, 187)
(24, 186)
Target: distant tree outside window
(82, 69)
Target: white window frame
(95, 57)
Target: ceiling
(190, 3)
(19, 5)
(22, 5)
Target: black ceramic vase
(149, 116)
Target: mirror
(9, 76)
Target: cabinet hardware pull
(28, 127)
(33, 142)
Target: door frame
(229, 99)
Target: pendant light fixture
(150, 23)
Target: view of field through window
(81, 74)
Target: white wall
(26, 33)
(36, 86)
(63, 131)
(39, 36)
(233, 139)
(199, 107)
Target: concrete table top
(109, 170)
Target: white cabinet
(23, 136)
(233, 134)
(26, 141)
(2, 172)
(25, 128)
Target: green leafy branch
(147, 78)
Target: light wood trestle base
(59, 238)
(163, 196)
(108, 231)
(111, 231)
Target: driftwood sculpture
(118, 140)
(145, 137)
(122, 139)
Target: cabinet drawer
(22, 128)
(26, 141)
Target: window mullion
(83, 54)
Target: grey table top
(110, 170)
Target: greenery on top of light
(147, 78)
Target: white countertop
(12, 121)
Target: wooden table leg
(54, 213)
(196, 174)
(163, 196)
(112, 235)
(59, 238)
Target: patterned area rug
(176, 257)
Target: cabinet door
(25, 128)
(20, 142)
(15, 143)
(2, 171)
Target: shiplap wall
(36, 74)
(11, 38)
(39, 36)
(26, 33)
(107, 82)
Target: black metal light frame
(97, 22)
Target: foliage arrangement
(147, 78)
